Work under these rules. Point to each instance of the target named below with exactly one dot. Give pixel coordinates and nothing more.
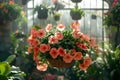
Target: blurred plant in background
(10, 72)
(9, 12)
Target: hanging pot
(42, 13)
(56, 17)
(75, 15)
(59, 63)
(24, 2)
(76, 1)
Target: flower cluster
(63, 44)
(112, 17)
(9, 11)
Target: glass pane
(30, 4)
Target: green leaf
(3, 77)
(10, 58)
(117, 52)
(4, 68)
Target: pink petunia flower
(59, 35)
(76, 34)
(41, 66)
(52, 40)
(75, 26)
(54, 53)
(87, 61)
(60, 27)
(48, 27)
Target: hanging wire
(102, 23)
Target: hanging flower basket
(112, 18)
(76, 1)
(56, 16)
(42, 11)
(59, 63)
(9, 11)
(60, 47)
(76, 13)
(24, 2)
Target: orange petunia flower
(30, 39)
(83, 66)
(67, 58)
(92, 42)
(85, 37)
(30, 48)
(11, 2)
(35, 57)
(36, 49)
(87, 61)
(73, 51)
(33, 31)
(77, 56)
(43, 48)
(82, 46)
(41, 33)
(54, 53)
(61, 51)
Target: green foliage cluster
(113, 17)
(76, 13)
(9, 12)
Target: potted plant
(56, 16)
(10, 72)
(42, 11)
(9, 12)
(24, 2)
(76, 13)
(76, 1)
(56, 44)
(112, 20)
